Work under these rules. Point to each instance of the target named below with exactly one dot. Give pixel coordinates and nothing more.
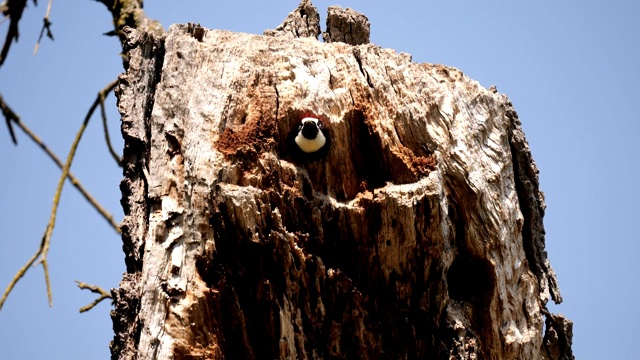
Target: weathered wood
(420, 235)
(304, 21)
(347, 26)
(135, 102)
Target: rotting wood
(420, 236)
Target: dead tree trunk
(419, 236)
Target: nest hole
(469, 279)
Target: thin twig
(103, 114)
(10, 115)
(94, 289)
(45, 244)
(45, 26)
(19, 275)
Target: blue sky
(570, 68)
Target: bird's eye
(320, 125)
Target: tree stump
(419, 236)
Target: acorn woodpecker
(309, 141)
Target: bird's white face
(311, 145)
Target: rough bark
(304, 21)
(129, 13)
(135, 100)
(347, 26)
(420, 235)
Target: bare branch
(94, 289)
(19, 275)
(45, 26)
(45, 244)
(107, 138)
(13, 9)
(11, 116)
